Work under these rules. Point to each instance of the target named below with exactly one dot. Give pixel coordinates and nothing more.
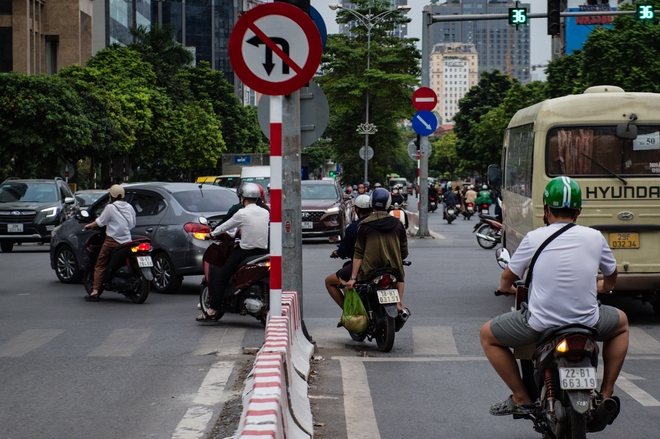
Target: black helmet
(381, 199)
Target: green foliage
(42, 122)
(444, 158)
(388, 83)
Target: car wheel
(165, 280)
(6, 246)
(66, 266)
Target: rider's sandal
(508, 407)
(93, 297)
(207, 318)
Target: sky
(540, 41)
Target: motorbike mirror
(84, 214)
(203, 220)
(503, 257)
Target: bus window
(597, 151)
(520, 150)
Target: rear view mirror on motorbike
(503, 257)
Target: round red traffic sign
(424, 98)
(275, 48)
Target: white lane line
(27, 341)
(212, 392)
(636, 393)
(121, 343)
(358, 405)
(221, 341)
(642, 343)
(433, 340)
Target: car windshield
(28, 192)
(88, 198)
(204, 200)
(319, 192)
(230, 182)
(262, 181)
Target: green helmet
(562, 192)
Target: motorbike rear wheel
(205, 301)
(488, 231)
(142, 292)
(385, 332)
(576, 427)
(358, 337)
(88, 281)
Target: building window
(6, 53)
(5, 7)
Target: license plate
(388, 296)
(307, 225)
(145, 261)
(624, 240)
(577, 378)
(15, 228)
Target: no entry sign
(275, 48)
(424, 98)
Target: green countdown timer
(644, 12)
(517, 16)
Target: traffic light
(517, 16)
(302, 4)
(644, 12)
(554, 17)
(333, 174)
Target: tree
(565, 76)
(444, 159)
(389, 82)
(42, 123)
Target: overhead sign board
(424, 98)
(424, 123)
(275, 48)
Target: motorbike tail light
(385, 281)
(199, 231)
(264, 264)
(572, 343)
(143, 247)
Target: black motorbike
(379, 297)
(468, 211)
(129, 270)
(488, 231)
(560, 378)
(433, 204)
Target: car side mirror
(503, 257)
(626, 131)
(69, 200)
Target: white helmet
(362, 201)
(116, 191)
(484, 187)
(471, 186)
(249, 190)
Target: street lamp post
(368, 21)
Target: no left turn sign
(275, 48)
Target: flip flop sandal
(93, 298)
(508, 407)
(206, 318)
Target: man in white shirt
(119, 218)
(563, 291)
(253, 222)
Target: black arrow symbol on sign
(269, 65)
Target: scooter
(399, 212)
(450, 213)
(379, 297)
(484, 208)
(468, 211)
(129, 270)
(433, 204)
(249, 288)
(561, 378)
(488, 231)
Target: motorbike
(488, 231)
(398, 211)
(433, 204)
(468, 211)
(379, 297)
(484, 208)
(248, 291)
(129, 270)
(451, 212)
(561, 378)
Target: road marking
(437, 235)
(221, 341)
(358, 405)
(642, 343)
(210, 393)
(636, 393)
(27, 341)
(121, 343)
(433, 340)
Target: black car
(168, 214)
(31, 209)
(326, 210)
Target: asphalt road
(114, 369)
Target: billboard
(577, 29)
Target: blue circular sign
(424, 123)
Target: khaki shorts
(511, 329)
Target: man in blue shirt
(345, 250)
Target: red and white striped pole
(419, 179)
(276, 205)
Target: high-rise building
(454, 70)
(499, 45)
(42, 36)
(113, 20)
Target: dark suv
(31, 209)
(326, 210)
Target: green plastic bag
(354, 318)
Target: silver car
(168, 214)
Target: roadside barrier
(275, 400)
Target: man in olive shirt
(381, 241)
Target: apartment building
(454, 70)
